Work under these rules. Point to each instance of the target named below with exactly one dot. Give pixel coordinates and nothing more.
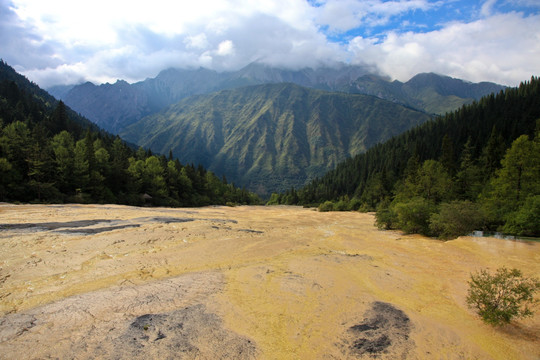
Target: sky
(57, 42)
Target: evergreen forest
(477, 168)
(50, 154)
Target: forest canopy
(50, 154)
(475, 168)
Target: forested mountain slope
(50, 154)
(485, 157)
(271, 137)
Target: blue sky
(67, 42)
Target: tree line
(475, 168)
(49, 155)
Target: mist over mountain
(116, 106)
(273, 136)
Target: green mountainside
(475, 168)
(272, 137)
(48, 153)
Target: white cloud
(63, 41)
(225, 48)
(198, 41)
(504, 48)
(487, 7)
(344, 15)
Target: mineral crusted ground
(89, 281)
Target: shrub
(326, 206)
(342, 205)
(501, 297)
(455, 219)
(385, 216)
(355, 204)
(413, 215)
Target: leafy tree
(525, 221)
(153, 178)
(430, 181)
(375, 191)
(274, 199)
(59, 118)
(6, 169)
(81, 168)
(447, 155)
(515, 181)
(63, 147)
(413, 215)
(343, 204)
(493, 153)
(468, 179)
(434, 183)
(501, 297)
(385, 217)
(119, 163)
(456, 218)
(37, 170)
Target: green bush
(413, 215)
(455, 219)
(501, 297)
(385, 217)
(342, 205)
(326, 206)
(355, 204)
(274, 199)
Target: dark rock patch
(91, 231)
(251, 231)
(90, 227)
(384, 332)
(188, 333)
(163, 220)
(53, 225)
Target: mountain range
(115, 106)
(268, 128)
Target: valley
(244, 282)
(269, 138)
(266, 128)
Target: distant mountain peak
(428, 92)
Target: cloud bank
(67, 42)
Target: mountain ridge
(270, 137)
(116, 106)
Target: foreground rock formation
(89, 281)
